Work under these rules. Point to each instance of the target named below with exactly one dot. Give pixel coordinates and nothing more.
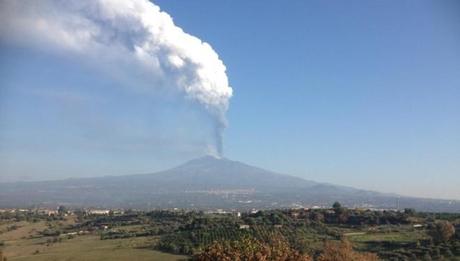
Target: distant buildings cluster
(62, 211)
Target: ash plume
(132, 40)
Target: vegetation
(442, 231)
(337, 233)
(342, 251)
(251, 249)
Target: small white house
(244, 226)
(99, 211)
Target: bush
(343, 251)
(442, 231)
(51, 232)
(251, 249)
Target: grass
(20, 241)
(380, 241)
(23, 244)
(24, 229)
(91, 248)
(399, 237)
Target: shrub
(343, 251)
(442, 231)
(251, 249)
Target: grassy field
(24, 244)
(374, 241)
(141, 235)
(401, 237)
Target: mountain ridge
(205, 183)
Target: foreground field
(25, 243)
(180, 235)
(91, 248)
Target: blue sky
(357, 93)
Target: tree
(409, 211)
(62, 210)
(442, 231)
(318, 216)
(336, 205)
(343, 251)
(338, 209)
(250, 249)
(340, 213)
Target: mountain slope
(203, 183)
(213, 173)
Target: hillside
(204, 183)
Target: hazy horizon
(361, 94)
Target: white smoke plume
(125, 36)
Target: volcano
(205, 183)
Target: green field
(399, 237)
(178, 235)
(25, 244)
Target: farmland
(180, 234)
(25, 241)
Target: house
(52, 212)
(118, 212)
(99, 211)
(244, 226)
